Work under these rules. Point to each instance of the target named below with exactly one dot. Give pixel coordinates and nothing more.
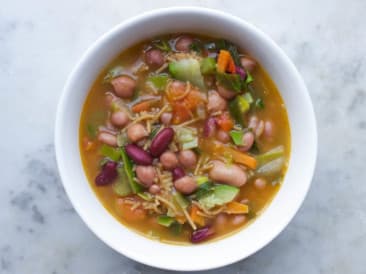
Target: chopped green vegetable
(270, 155)
(208, 66)
(165, 220)
(249, 78)
(121, 186)
(187, 137)
(237, 137)
(259, 103)
(196, 46)
(272, 167)
(159, 81)
(201, 180)
(127, 166)
(92, 131)
(229, 81)
(176, 228)
(110, 152)
(221, 194)
(180, 200)
(103, 161)
(247, 96)
(203, 190)
(187, 70)
(145, 196)
(238, 107)
(153, 132)
(113, 73)
(122, 139)
(162, 45)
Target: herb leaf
(162, 45)
(259, 103)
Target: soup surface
(184, 138)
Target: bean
(268, 129)
(260, 183)
(107, 138)
(146, 175)
(138, 155)
(107, 175)
(185, 185)
(178, 173)
(253, 122)
(260, 128)
(161, 141)
(154, 58)
(187, 158)
(248, 141)
(215, 102)
(166, 118)
(119, 118)
(124, 86)
(223, 136)
(183, 43)
(226, 93)
(238, 219)
(209, 127)
(169, 160)
(248, 63)
(136, 133)
(201, 234)
(228, 174)
(154, 189)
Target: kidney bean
(161, 141)
(107, 174)
(138, 155)
(209, 127)
(201, 234)
(178, 173)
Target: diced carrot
(126, 212)
(223, 60)
(197, 219)
(143, 106)
(231, 66)
(180, 113)
(244, 159)
(236, 208)
(225, 122)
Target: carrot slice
(143, 106)
(244, 159)
(231, 66)
(223, 60)
(225, 122)
(198, 219)
(236, 208)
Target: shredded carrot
(231, 67)
(225, 62)
(225, 122)
(236, 208)
(198, 219)
(143, 106)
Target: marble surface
(41, 40)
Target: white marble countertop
(41, 40)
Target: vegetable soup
(184, 138)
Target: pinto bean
(253, 122)
(238, 219)
(154, 58)
(124, 86)
(185, 185)
(248, 141)
(226, 93)
(154, 189)
(260, 128)
(136, 132)
(119, 118)
(107, 138)
(268, 129)
(260, 183)
(146, 175)
(223, 136)
(161, 141)
(248, 63)
(166, 118)
(215, 102)
(187, 158)
(227, 174)
(169, 160)
(183, 43)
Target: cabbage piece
(187, 70)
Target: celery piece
(201, 180)
(270, 155)
(237, 137)
(187, 70)
(238, 107)
(110, 152)
(208, 66)
(165, 220)
(145, 196)
(159, 81)
(247, 96)
(127, 166)
(187, 137)
(272, 167)
(121, 186)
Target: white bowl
(303, 139)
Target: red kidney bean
(107, 175)
(138, 155)
(201, 234)
(161, 141)
(178, 173)
(210, 127)
(241, 72)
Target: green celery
(165, 220)
(208, 66)
(127, 166)
(121, 186)
(237, 137)
(110, 152)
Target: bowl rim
(161, 12)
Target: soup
(184, 138)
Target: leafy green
(247, 96)
(259, 103)
(159, 81)
(187, 70)
(203, 190)
(180, 200)
(127, 166)
(237, 137)
(238, 107)
(121, 186)
(110, 152)
(220, 194)
(229, 81)
(249, 78)
(113, 73)
(165, 220)
(208, 66)
(153, 132)
(162, 45)
(196, 46)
